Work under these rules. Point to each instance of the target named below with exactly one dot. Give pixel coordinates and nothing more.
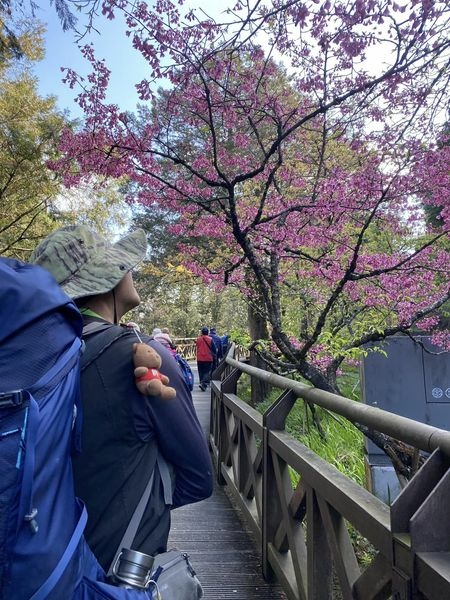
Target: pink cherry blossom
(308, 179)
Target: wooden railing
(303, 528)
(185, 347)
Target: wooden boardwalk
(222, 550)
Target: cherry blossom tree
(296, 141)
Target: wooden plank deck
(222, 550)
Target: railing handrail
(419, 435)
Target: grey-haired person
(162, 336)
(124, 433)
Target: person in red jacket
(206, 353)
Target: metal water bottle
(132, 569)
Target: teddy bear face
(145, 356)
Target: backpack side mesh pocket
(186, 370)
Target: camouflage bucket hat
(84, 263)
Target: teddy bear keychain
(147, 362)
(149, 381)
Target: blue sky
(61, 50)
(127, 65)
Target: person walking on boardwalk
(126, 436)
(218, 344)
(162, 336)
(206, 352)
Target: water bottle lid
(133, 568)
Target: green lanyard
(87, 312)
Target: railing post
(228, 386)
(273, 419)
(420, 525)
(221, 441)
(216, 390)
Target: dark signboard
(407, 380)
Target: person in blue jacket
(218, 344)
(124, 433)
(225, 339)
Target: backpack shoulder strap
(97, 344)
(210, 345)
(136, 518)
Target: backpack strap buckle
(31, 519)
(10, 399)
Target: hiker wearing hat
(206, 352)
(126, 436)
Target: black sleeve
(178, 432)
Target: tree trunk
(258, 331)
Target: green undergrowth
(342, 444)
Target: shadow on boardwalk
(222, 550)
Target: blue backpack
(43, 554)
(186, 370)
